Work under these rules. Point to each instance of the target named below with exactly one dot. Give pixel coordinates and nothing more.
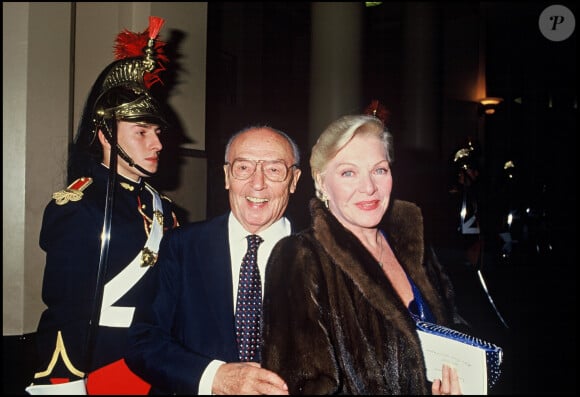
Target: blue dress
(418, 307)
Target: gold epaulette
(74, 192)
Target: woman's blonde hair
(338, 134)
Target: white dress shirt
(238, 247)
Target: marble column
(421, 81)
(336, 59)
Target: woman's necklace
(380, 253)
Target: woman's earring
(325, 200)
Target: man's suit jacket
(191, 320)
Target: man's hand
(247, 378)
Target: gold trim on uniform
(127, 186)
(74, 192)
(158, 215)
(59, 350)
(148, 257)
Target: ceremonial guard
(101, 234)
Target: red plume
(130, 45)
(378, 110)
(155, 24)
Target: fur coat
(333, 323)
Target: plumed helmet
(128, 104)
(467, 156)
(377, 109)
(122, 92)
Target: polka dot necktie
(249, 304)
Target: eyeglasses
(274, 170)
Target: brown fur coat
(333, 323)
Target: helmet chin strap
(126, 157)
(130, 161)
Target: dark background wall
(258, 73)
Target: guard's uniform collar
(102, 172)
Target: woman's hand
(449, 384)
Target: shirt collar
(280, 227)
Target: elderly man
(192, 339)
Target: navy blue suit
(193, 304)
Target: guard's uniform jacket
(70, 235)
